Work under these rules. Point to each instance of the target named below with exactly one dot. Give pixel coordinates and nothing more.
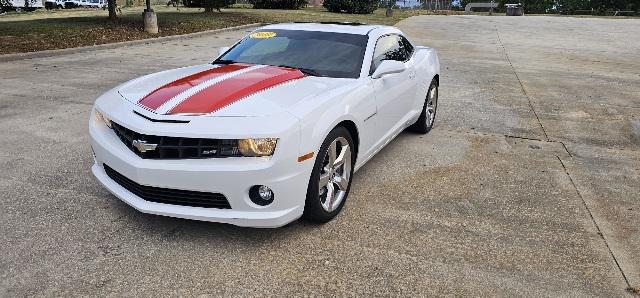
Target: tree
(351, 6)
(210, 5)
(112, 9)
(538, 6)
(278, 4)
(569, 6)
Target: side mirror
(388, 67)
(222, 50)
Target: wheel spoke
(332, 153)
(345, 153)
(324, 179)
(341, 182)
(328, 202)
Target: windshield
(327, 54)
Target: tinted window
(388, 47)
(407, 46)
(326, 53)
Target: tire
(427, 118)
(324, 201)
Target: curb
(57, 52)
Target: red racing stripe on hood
(163, 94)
(233, 89)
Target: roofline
(333, 23)
(374, 28)
(355, 24)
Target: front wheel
(424, 124)
(330, 180)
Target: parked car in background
(97, 4)
(74, 3)
(54, 4)
(21, 5)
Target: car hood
(234, 90)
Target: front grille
(169, 196)
(177, 147)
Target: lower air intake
(169, 196)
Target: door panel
(393, 97)
(394, 93)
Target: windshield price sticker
(262, 35)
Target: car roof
(353, 28)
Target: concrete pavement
(528, 185)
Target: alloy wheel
(432, 104)
(335, 174)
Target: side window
(388, 47)
(407, 46)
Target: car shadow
(177, 229)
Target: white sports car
(270, 131)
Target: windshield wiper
(307, 71)
(310, 72)
(223, 61)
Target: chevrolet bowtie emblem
(142, 146)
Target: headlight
(257, 147)
(103, 118)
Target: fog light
(261, 195)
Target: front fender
(353, 102)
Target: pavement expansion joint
(524, 90)
(595, 223)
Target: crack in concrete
(595, 223)
(544, 141)
(586, 206)
(515, 137)
(630, 289)
(524, 90)
(566, 149)
(533, 139)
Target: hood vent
(161, 120)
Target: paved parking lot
(529, 184)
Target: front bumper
(231, 177)
(265, 219)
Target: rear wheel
(330, 180)
(428, 116)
